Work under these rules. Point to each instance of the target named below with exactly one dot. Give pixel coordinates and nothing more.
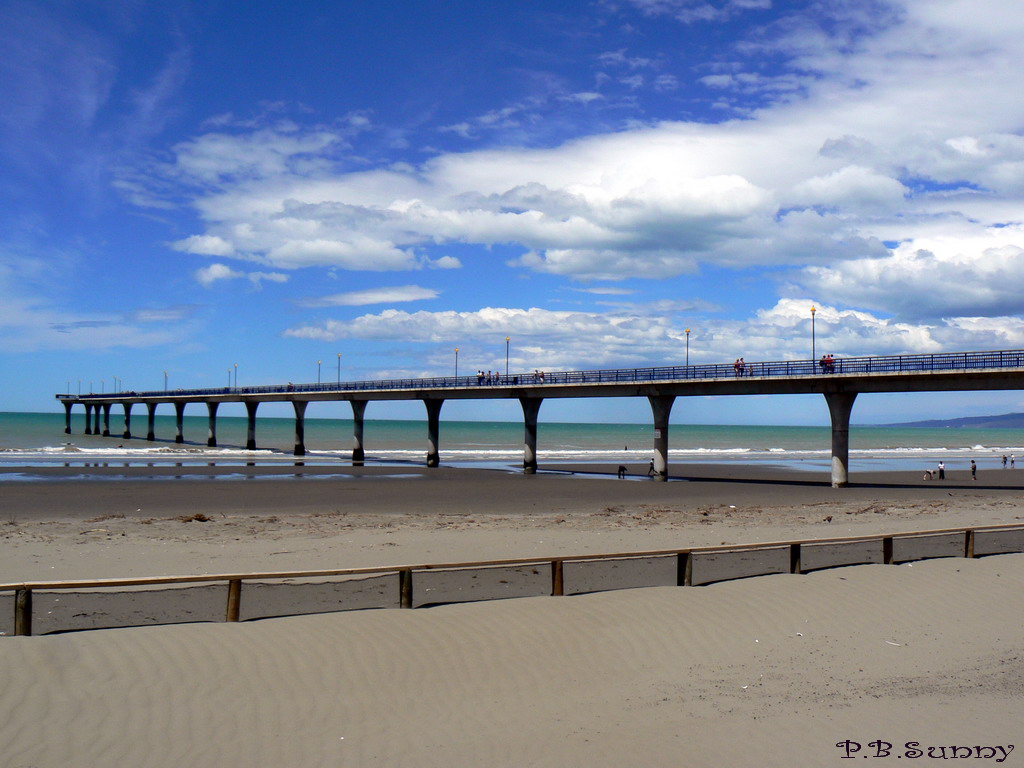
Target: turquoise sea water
(37, 438)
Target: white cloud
(883, 112)
(207, 276)
(850, 187)
(384, 295)
(628, 336)
(931, 278)
(693, 11)
(207, 245)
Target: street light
(339, 369)
(236, 375)
(165, 381)
(814, 350)
(456, 362)
(687, 346)
(507, 340)
(318, 371)
(229, 378)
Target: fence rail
(693, 565)
(949, 362)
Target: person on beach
(974, 470)
(1004, 461)
(942, 470)
(1012, 461)
(650, 469)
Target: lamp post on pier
(456, 362)
(318, 371)
(165, 381)
(339, 369)
(814, 350)
(507, 340)
(687, 347)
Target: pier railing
(54, 606)
(938, 362)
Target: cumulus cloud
(931, 278)
(543, 338)
(867, 138)
(631, 335)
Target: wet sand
(758, 672)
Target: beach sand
(774, 670)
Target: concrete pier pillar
(300, 426)
(67, 418)
(661, 406)
(211, 432)
(127, 421)
(106, 419)
(840, 405)
(433, 431)
(179, 422)
(531, 407)
(88, 419)
(151, 422)
(358, 411)
(96, 419)
(250, 409)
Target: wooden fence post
(887, 550)
(405, 588)
(23, 612)
(557, 578)
(684, 569)
(794, 558)
(234, 599)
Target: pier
(839, 383)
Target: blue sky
(186, 187)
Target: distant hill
(1006, 421)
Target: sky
(271, 192)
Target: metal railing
(938, 362)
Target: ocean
(38, 439)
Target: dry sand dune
(773, 671)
